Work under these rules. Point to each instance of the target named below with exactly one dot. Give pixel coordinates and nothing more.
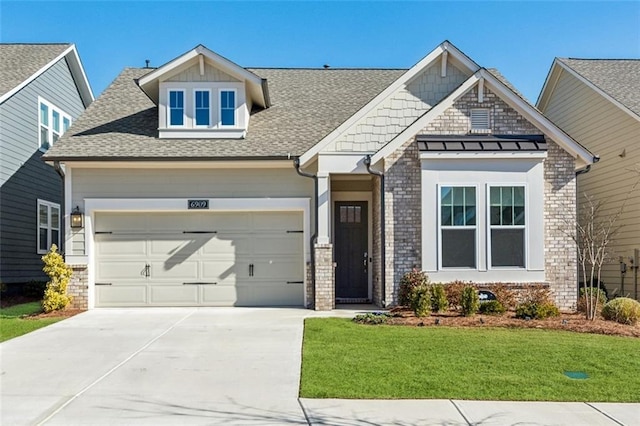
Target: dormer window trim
(198, 104)
(170, 99)
(223, 100)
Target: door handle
(366, 259)
(251, 269)
(146, 272)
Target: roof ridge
(601, 59)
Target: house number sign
(197, 204)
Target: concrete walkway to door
(231, 366)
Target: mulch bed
(575, 322)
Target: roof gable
(617, 80)
(23, 62)
(202, 57)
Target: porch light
(77, 218)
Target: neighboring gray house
(43, 89)
(597, 102)
(205, 183)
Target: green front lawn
(342, 359)
(12, 323)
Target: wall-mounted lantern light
(77, 218)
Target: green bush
(600, 294)
(623, 310)
(532, 310)
(439, 300)
(454, 293)
(492, 307)
(421, 300)
(469, 301)
(504, 294)
(408, 283)
(55, 295)
(372, 318)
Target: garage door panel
(281, 244)
(121, 245)
(169, 270)
(232, 222)
(123, 269)
(218, 295)
(225, 271)
(285, 268)
(125, 294)
(173, 294)
(270, 221)
(270, 295)
(227, 244)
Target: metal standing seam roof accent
(495, 143)
(619, 78)
(307, 104)
(21, 60)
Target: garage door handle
(103, 283)
(199, 283)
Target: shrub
(408, 283)
(454, 293)
(469, 301)
(536, 293)
(623, 310)
(34, 289)
(504, 294)
(55, 295)
(600, 294)
(533, 310)
(439, 300)
(492, 307)
(421, 300)
(372, 318)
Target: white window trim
(439, 232)
(50, 226)
(490, 227)
(211, 122)
(235, 108)
(51, 108)
(184, 109)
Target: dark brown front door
(352, 257)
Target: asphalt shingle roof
(307, 104)
(18, 62)
(619, 78)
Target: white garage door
(199, 259)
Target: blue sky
(519, 38)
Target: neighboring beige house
(597, 102)
(205, 183)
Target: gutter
(296, 164)
(367, 163)
(588, 168)
(58, 169)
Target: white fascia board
(80, 77)
(581, 154)
(240, 164)
(598, 90)
(549, 86)
(424, 63)
(481, 155)
(421, 122)
(67, 51)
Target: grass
(342, 359)
(12, 323)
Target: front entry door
(351, 251)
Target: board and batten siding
(183, 183)
(24, 177)
(607, 131)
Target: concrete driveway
(157, 366)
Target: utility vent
(480, 121)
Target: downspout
(296, 164)
(58, 169)
(367, 163)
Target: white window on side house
(176, 108)
(480, 121)
(228, 107)
(48, 225)
(202, 107)
(458, 227)
(507, 226)
(53, 122)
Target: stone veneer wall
(324, 297)
(376, 245)
(78, 287)
(309, 286)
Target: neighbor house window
(228, 107)
(458, 226)
(507, 223)
(176, 108)
(48, 225)
(53, 122)
(202, 107)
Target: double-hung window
(48, 225)
(202, 107)
(176, 108)
(458, 226)
(507, 223)
(53, 122)
(228, 107)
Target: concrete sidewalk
(231, 366)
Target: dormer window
(176, 108)
(202, 107)
(228, 107)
